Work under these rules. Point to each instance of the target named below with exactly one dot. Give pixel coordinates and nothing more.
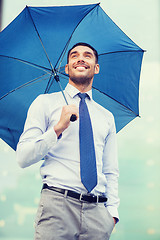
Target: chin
(81, 80)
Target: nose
(80, 61)
(80, 58)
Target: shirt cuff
(114, 212)
(49, 137)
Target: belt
(82, 197)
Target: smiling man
(82, 65)
(79, 198)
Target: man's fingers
(68, 110)
(64, 122)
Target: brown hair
(86, 45)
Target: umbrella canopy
(33, 49)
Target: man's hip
(63, 217)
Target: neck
(82, 88)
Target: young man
(69, 207)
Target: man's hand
(114, 221)
(64, 121)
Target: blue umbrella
(33, 51)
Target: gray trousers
(65, 218)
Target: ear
(97, 68)
(66, 69)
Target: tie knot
(83, 95)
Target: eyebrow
(73, 53)
(89, 53)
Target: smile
(81, 66)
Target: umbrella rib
(53, 70)
(66, 46)
(28, 63)
(49, 84)
(63, 75)
(120, 28)
(121, 51)
(35, 80)
(116, 101)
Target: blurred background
(138, 142)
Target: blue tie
(87, 151)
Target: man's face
(82, 65)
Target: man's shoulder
(48, 97)
(47, 100)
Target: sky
(138, 142)
(139, 19)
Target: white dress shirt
(61, 166)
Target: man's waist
(56, 175)
(91, 198)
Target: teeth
(81, 67)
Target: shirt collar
(72, 91)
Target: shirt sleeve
(111, 171)
(37, 137)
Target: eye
(74, 56)
(88, 56)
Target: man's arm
(35, 141)
(111, 171)
(38, 138)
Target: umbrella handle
(73, 118)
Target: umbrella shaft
(73, 116)
(56, 77)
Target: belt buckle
(95, 198)
(92, 197)
(80, 198)
(65, 193)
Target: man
(73, 206)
